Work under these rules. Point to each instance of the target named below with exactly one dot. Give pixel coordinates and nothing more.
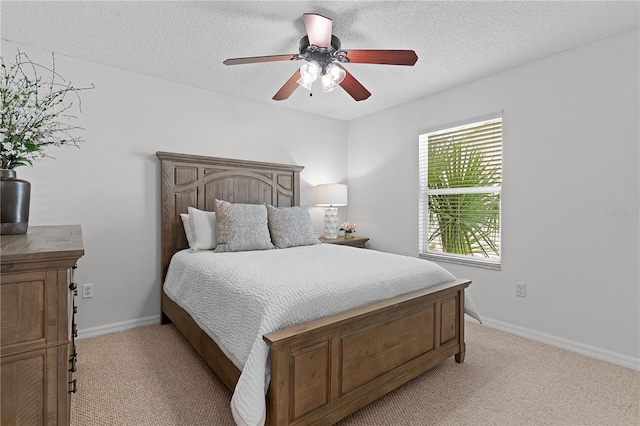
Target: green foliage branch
(466, 224)
(35, 111)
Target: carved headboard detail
(196, 181)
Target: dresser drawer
(34, 310)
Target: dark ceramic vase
(15, 195)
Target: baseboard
(117, 326)
(570, 345)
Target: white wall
(571, 152)
(111, 185)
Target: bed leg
(460, 322)
(460, 355)
(164, 319)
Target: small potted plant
(348, 228)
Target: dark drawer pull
(74, 383)
(73, 360)
(73, 286)
(75, 309)
(75, 330)
(74, 267)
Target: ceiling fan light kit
(309, 73)
(323, 53)
(332, 77)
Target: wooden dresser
(37, 350)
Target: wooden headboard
(196, 181)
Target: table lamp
(330, 196)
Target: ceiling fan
(324, 58)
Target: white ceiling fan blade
(318, 29)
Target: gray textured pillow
(241, 227)
(291, 226)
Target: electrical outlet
(521, 290)
(87, 291)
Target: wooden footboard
(324, 370)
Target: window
(460, 185)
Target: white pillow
(186, 223)
(203, 228)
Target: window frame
(423, 197)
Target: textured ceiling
(186, 42)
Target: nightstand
(359, 242)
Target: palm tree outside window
(460, 187)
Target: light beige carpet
(151, 376)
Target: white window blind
(460, 186)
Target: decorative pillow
(203, 229)
(291, 226)
(186, 223)
(241, 227)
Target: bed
(325, 369)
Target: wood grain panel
(23, 389)
(9, 313)
(372, 352)
(62, 385)
(51, 246)
(185, 175)
(285, 181)
(182, 200)
(22, 308)
(247, 190)
(353, 323)
(448, 320)
(310, 377)
(51, 308)
(284, 200)
(31, 303)
(62, 278)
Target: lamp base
(331, 223)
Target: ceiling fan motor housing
(322, 55)
(304, 43)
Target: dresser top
(42, 242)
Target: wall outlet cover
(87, 291)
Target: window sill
(463, 260)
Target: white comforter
(239, 297)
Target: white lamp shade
(331, 195)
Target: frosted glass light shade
(328, 83)
(308, 74)
(331, 77)
(331, 195)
